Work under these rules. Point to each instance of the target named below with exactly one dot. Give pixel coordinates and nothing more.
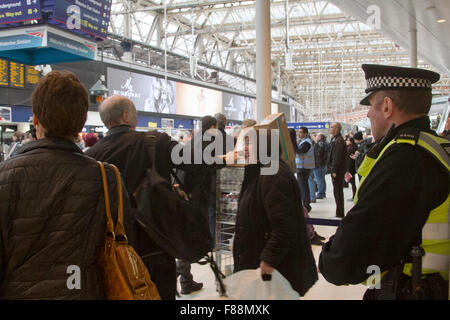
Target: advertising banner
(236, 107)
(5, 114)
(197, 101)
(148, 93)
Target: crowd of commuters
(52, 202)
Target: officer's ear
(387, 108)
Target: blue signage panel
(94, 15)
(73, 47)
(12, 11)
(310, 125)
(21, 114)
(21, 41)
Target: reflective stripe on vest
(435, 233)
(306, 160)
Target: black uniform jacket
(393, 206)
(52, 216)
(270, 227)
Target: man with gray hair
(133, 153)
(337, 166)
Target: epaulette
(408, 133)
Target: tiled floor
(322, 290)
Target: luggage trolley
(229, 181)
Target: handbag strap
(119, 232)
(109, 222)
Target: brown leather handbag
(125, 276)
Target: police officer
(399, 224)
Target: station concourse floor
(322, 290)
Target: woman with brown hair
(52, 220)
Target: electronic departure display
(17, 75)
(12, 11)
(93, 15)
(4, 73)
(32, 76)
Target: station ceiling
(318, 46)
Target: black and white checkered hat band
(397, 82)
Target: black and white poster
(148, 93)
(5, 114)
(237, 107)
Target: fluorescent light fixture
(441, 20)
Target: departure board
(17, 75)
(4, 73)
(32, 76)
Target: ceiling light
(441, 20)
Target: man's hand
(334, 175)
(181, 193)
(231, 157)
(265, 268)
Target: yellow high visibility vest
(436, 231)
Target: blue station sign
(89, 16)
(310, 125)
(14, 11)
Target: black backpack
(174, 224)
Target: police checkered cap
(382, 77)
(396, 82)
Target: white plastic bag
(248, 285)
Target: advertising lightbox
(236, 107)
(197, 101)
(148, 93)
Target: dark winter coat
(52, 216)
(132, 152)
(351, 149)
(270, 227)
(321, 153)
(338, 155)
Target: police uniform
(402, 201)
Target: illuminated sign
(17, 75)
(12, 11)
(90, 16)
(4, 73)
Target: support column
(413, 43)
(263, 64)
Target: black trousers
(162, 269)
(353, 184)
(338, 192)
(302, 178)
(184, 269)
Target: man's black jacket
(338, 155)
